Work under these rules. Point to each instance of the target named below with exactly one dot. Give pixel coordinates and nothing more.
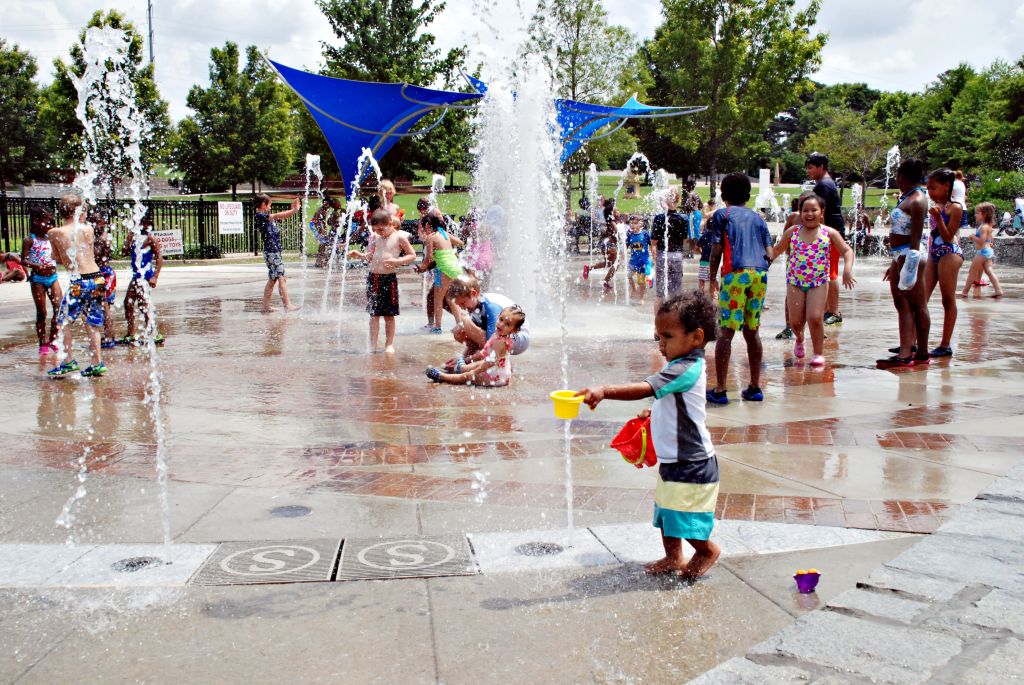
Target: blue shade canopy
(359, 114)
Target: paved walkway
(265, 412)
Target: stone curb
(949, 610)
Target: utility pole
(149, 15)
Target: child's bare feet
(390, 349)
(267, 310)
(293, 307)
(665, 565)
(701, 561)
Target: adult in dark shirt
(669, 233)
(825, 187)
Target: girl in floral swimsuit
(495, 366)
(808, 245)
(944, 254)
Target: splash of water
(892, 162)
(312, 171)
(106, 104)
(637, 157)
(364, 165)
(593, 181)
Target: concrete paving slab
(114, 510)
(764, 537)
(318, 633)
(738, 671)
(942, 556)
(440, 518)
(32, 565)
(245, 514)
(1002, 665)
(840, 567)
(538, 550)
(914, 584)
(592, 625)
(175, 565)
(882, 605)
(870, 650)
(33, 625)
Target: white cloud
(890, 45)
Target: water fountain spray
(595, 212)
(312, 171)
(892, 162)
(364, 164)
(107, 104)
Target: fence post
(5, 230)
(202, 227)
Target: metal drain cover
(407, 557)
(133, 564)
(272, 561)
(539, 549)
(290, 511)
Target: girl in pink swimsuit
(808, 244)
(494, 369)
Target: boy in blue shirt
(742, 244)
(687, 486)
(265, 224)
(638, 243)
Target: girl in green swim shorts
(438, 249)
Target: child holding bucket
(687, 489)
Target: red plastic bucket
(636, 444)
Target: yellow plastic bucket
(567, 406)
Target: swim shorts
(85, 294)
(382, 294)
(742, 298)
(675, 274)
(110, 282)
(275, 265)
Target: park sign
(170, 242)
(229, 218)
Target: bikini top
(936, 236)
(900, 220)
(41, 252)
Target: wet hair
(943, 176)
(41, 214)
(517, 315)
(464, 285)
(988, 211)
(432, 221)
(423, 204)
(810, 195)
(736, 188)
(912, 169)
(816, 159)
(380, 217)
(373, 204)
(794, 204)
(695, 310)
(69, 204)
(261, 199)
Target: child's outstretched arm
(631, 391)
(288, 212)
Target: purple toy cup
(806, 582)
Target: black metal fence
(196, 219)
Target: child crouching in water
(687, 489)
(494, 367)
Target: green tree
(854, 144)
(586, 54)
(22, 155)
(746, 60)
(961, 134)
(61, 129)
(924, 113)
(1004, 137)
(388, 41)
(242, 129)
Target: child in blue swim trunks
(37, 255)
(638, 245)
(687, 489)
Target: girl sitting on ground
(807, 270)
(494, 368)
(984, 240)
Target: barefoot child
(389, 249)
(687, 489)
(807, 271)
(494, 369)
(266, 224)
(438, 250)
(37, 255)
(638, 242)
(146, 261)
(984, 239)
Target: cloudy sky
(891, 45)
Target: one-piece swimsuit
(808, 263)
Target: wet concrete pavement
(269, 410)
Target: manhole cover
(272, 561)
(291, 511)
(133, 564)
(539, 549)
(377, 559)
